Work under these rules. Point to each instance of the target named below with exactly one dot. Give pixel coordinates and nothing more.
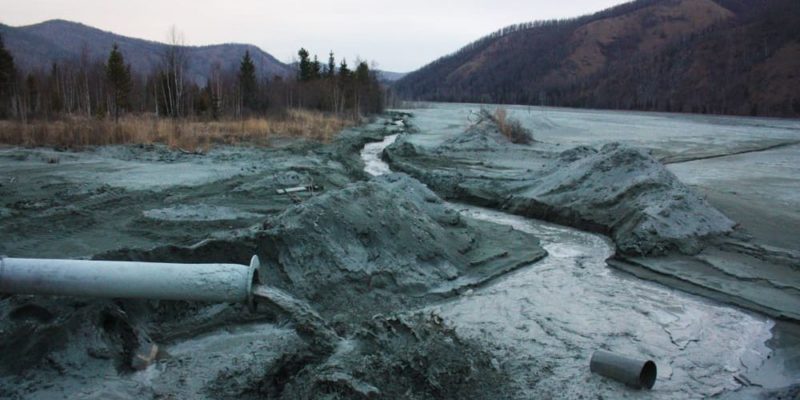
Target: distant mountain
(388, 76)
(712, 56)
(39, 45)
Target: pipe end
(647, 378)
(255, 279)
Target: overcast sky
(399, 35)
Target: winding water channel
(544, 321)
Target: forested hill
(705, 56)
(38, 46)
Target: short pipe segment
(228, 283)
(640, 374)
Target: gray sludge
(663, 230)
(653, 218)
(375, 248)
(346, 268)
(617, 190)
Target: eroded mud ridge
(617, 190)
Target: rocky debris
(483, 136)
(144, 356)
(407, 356)
(412, 356)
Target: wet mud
(663, 229)
(106, 198)
(376, 287)
(544, 322)
(344, 271)
(617, 190)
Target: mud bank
(663, 230)
(543, 322)
(76, 204)
(617, 190)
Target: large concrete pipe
(130, 279)
(636, 373)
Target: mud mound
(642, 205)
(484, 136)
(384, 244)
(618, 190)
(413, 357)
(373, 247)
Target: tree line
(110, 88)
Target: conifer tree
(305, 72)
(331, 65)
(316, 68)
(362, 73)
(7, 73)
(247, 82)
(344, 72)
(119, 79)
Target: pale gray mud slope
(759, 190)
(76, 204)
(347, 269)
(653, 218)
(617, 190)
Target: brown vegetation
(511, 128)
(72, 104)
(699, 56)
(185, 134)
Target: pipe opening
(256, 280)
(647, 378)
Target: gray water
(544, 321)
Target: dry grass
(509, 127)
(189, 135)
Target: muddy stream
(544, 321)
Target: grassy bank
(186, 134)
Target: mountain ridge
(661, 55)
(38, 45)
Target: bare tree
(173, 73)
